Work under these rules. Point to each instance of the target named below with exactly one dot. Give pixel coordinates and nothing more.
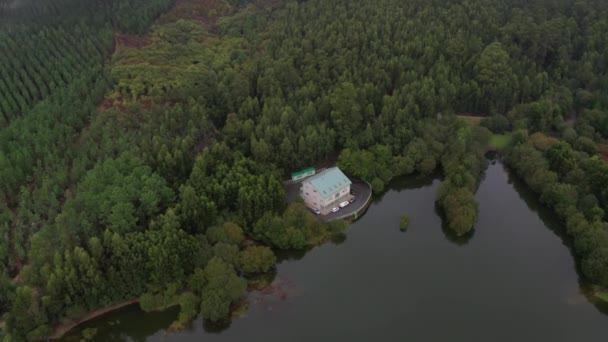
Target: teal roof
(329, 181)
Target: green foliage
(222, 288)
(275, 231)
(109, 199)
(297, 228)
(495, 78)
(561, 158)
(377, 185)
(460, 210)
(29, 51)
(89, 333)
(378, 165)
(120, 194)
(497, 123)
(576, 193)
(26, 320)
(228, 253)
(7, 293)
(189, 305)
(148, 302)
(404, 223)
(236, 184)
(228, 232)
(602, 296)
(462, 165)
(500, 141)
(257, 259)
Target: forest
(144, 144)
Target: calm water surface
(514, 279)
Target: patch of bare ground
(122, 105)
(603, 149)
(271, 4)
(124, 40)
(205, 12)
(472, 115)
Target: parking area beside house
(361, 190)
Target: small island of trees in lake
(144, 144)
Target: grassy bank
(500, 141)
(602, 295)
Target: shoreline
(601, 295)
(62, 329)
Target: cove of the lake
(513, 279)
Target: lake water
(513, 279)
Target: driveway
(361, 189)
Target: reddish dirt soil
(472, 115)
(208, 11)
(204, 11)
(131, 41)
(603, 148)
(121, 106)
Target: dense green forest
(143, 144)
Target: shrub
(404, 223)
(377, 185)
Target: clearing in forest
(500, 141)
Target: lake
(513, 279)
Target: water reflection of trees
(551, 221)
(290, 255)
(126, 324)
(216, 327)
(410, 182)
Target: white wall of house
(313, 199)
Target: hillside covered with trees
(143, 144)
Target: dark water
(514, 279)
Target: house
(326, 190)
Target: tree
(460, 209)
(228, 253)
(561, 158)
(222, 288)
(27, 320)
(7, 293)
(195, 212)
(188, 304)
(257, 259)
(229, 233)
(346, 111)
(495, 77)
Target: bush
(147, 302)
(404, 223)
(189, 304)
(377, 185)
(89, 333)
(427, 166)
(496, 124)
(257, 259)
(229, 233)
